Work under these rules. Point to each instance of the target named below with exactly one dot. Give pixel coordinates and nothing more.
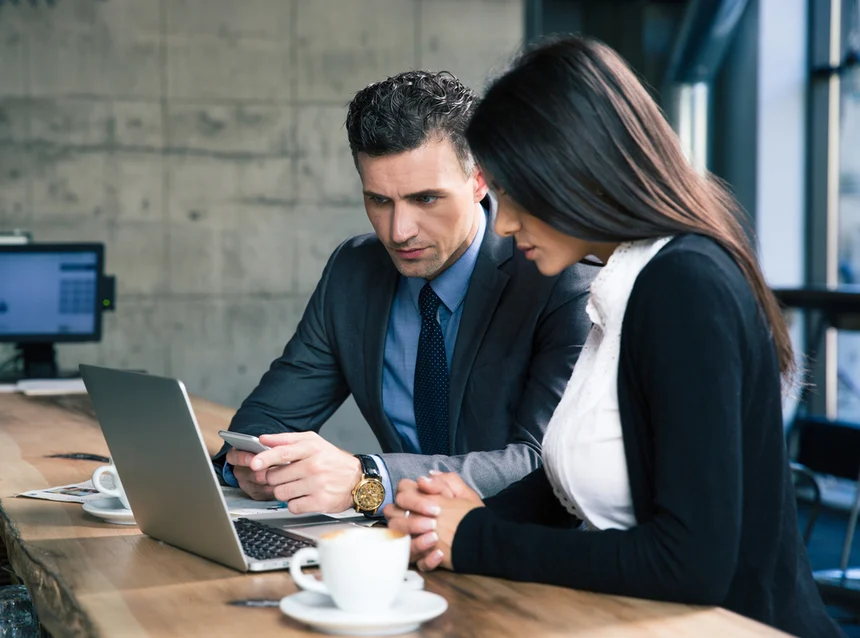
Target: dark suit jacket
(519, 337)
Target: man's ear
(481, 187)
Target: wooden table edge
(45, 586)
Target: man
(455, 348)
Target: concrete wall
(202, 141)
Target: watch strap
(368, 466)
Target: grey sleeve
(558, 340)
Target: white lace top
(583, 449)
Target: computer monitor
(50, 293)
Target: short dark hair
(401, 113)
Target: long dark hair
(573, 137)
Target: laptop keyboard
(264, 542)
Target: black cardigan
(700, 405)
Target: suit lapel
(380, 296)
(485, 288)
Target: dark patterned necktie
(431, 378)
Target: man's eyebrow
(430, 192)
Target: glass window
(848, 357)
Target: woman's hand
(430, 510)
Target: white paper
(32, 387)
(238, 503)
(72, 493)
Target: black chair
(826, 447)
(803, 476)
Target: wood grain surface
(90, 578)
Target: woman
(667, 445)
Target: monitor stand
(39, 360)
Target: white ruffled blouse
(583, 448)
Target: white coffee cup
(363, 568)
(117, 490)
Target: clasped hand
(430, 510)
(302, 468)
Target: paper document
(72, 493)
(33, 387)
(238, 504)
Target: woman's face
(550, 249)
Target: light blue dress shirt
(401, 343)
(401, 346)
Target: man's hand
(307, 471)
(252, 483)
(430, 511)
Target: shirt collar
(612, 286)
(451, 285)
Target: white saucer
(110, 510)
(410, 610)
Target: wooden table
(89, 578)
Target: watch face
(369, 495)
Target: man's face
(422, 206)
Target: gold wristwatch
(369, 494)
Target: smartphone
(244, 442)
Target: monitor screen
(50, 292)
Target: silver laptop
(162, 460)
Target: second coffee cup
(117, 490)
